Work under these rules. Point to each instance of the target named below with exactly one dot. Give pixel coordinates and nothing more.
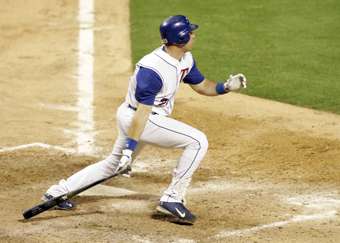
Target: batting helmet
(176, 30)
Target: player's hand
(125, 160)
(235, 82)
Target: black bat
(44, 206)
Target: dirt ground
(272, 172)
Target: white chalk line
(295, 219)
(85, 131)
(315, 201)
(39, 145)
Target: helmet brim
(193, 27)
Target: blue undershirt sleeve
(149, 83)
(194, 76)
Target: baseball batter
(145, 117)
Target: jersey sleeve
(194, 76)
(149, 83)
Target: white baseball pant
(160, 130)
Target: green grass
(289, 50)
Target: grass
(289, 50)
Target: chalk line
(39, 145)
(295, 219)
(85, 131)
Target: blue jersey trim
(194, 76)
(149, 83)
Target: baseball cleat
(178, 210)
(64, 205)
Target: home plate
(103, 190)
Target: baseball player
(145, 117)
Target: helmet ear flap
(184, 37)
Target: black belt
(132, 107)
(135, 109)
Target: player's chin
(188, 47)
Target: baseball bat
(44, 206)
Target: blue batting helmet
(176, 30)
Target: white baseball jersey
(169, 72)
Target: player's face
(188, 46)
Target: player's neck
(175, 51)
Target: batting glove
(125, 160)
(235, 82)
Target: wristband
(131, 144)
(220, 89)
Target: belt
(135, 109)
(132, 107)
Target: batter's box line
(39, 145)
(295, 219)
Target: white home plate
(103, 190)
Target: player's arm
(139, 121)
(212, 88)
(148, 84)
(206, 87)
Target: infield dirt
(272, 172)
